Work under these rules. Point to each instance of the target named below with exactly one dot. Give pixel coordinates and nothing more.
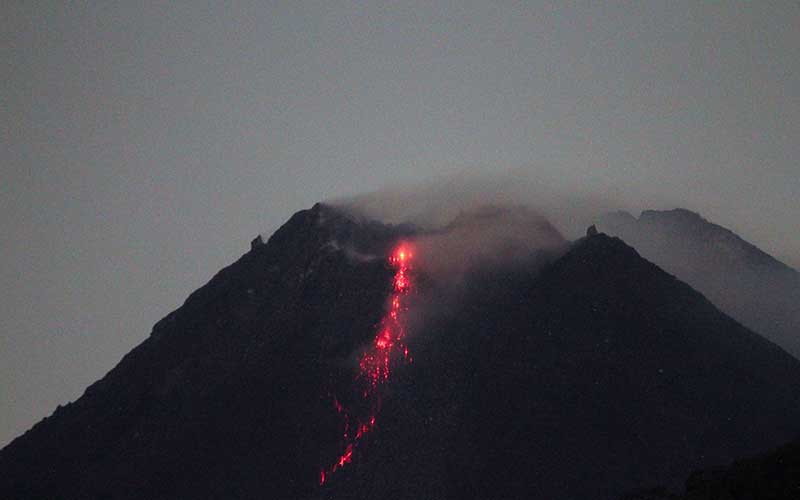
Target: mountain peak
(583, 376)
(675, 213)
(741, 279)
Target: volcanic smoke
(374, 366)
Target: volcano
(742, 280)
(325, 364)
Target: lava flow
(375, 363)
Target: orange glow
(376, 362)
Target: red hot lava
(376, 362)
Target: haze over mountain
(144, 143)
(742, 280)
(548, 369)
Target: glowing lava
(375, 363)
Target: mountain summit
(578, 371)
(742, 280)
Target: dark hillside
(599, 375)
(225, 397)
(580, 376)
(738, 277)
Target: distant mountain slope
(745, 282)
(577, 376)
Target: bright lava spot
(376, 362)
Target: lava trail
(375, 364)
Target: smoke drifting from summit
(569, 200)
(486, 236)
(472, 219)
(436, 203)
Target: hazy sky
(145, 144)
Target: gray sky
(143, 146)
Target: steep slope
(739, 278)
(579, 376)
(595, 376)
(226, 398)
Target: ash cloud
(470, 224)
(472, 220)
(486, 236)
(434, 204)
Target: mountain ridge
(539, 380)
(744, 281)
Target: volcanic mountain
(745, 282)
(774, 476)
(579, 370)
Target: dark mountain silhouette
(583, 374)
(745, 282)
(225, 398)
(770, 476)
